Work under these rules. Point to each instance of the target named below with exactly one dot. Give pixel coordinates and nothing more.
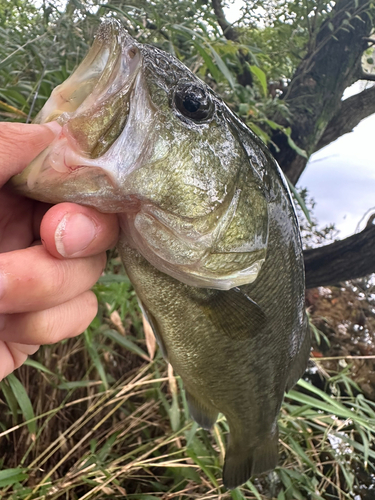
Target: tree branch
(367, 76)
(352, 111)
(369, 40)
(244, 76)
(343, 260)
(230, 33)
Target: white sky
(341, 176)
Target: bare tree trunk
(351, 112)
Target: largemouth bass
(209, 236)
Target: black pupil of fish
(191, 104)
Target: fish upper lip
(99, 89)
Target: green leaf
(222, 66)
(208, 61)
(261, 76)
(192, 33)
(203, 466)
(300, 453)
(259, 132)
(366, 446)
(174, 413)
(107, 447)
(190, 435)
(281, 495)
(9, 477)
(122, 12)
(273, 125)
(292, 144)
(253, 489)
(328, 405)
(38, 366)
(300, 201)
(23, 401)
(237, 495)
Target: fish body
(209, 234)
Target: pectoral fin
(235, 314)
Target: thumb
(20, 143)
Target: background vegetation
(102, 416)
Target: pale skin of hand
(44, 288)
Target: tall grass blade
(24, 402)
(10, 398)
(126, 342)
(93, 352)
(253, 489)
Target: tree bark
(314, 94)
(351, 258)
(352, 111)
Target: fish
(209, 235)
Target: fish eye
(193, 102)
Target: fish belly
(243, 379)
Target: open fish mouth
(92, 105)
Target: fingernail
(74, 234)
(2, 285)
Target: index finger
(20, 143)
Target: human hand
(44, 288)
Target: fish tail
(241, 463)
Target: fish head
(143, 137)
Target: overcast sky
(341, 177)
